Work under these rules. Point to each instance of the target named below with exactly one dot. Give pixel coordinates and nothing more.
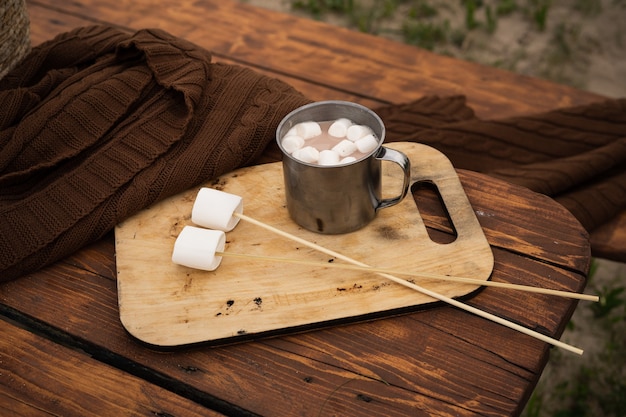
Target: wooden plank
(40, 377)
(367, 375)
(48, 21)
(369, 67)
(565, 246)
(417, 356)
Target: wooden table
(63, 348)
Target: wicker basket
(14, 34)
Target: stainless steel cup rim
(337, 108)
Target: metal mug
(338, 198)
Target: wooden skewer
(408, 284)
(463, 280)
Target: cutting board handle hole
(433, 210)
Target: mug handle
(386, 154)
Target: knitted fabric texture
(98, 124)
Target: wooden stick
(408, 284)
(462, 280)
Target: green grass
(422, 24)
(425, 35)
(463, 28)
(363, 17)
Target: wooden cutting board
(167, 305)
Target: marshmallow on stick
(215, 209)
(196, 247)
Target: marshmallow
(307, 154)
(292, 143)
(329, 157)
(345, 148)
(214, 209)
(347, 160)
(195, 248)
(339, 128)
(308, 130)
(356, 132)
(367, 144)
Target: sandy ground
(583, 43)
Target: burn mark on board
(188, 282)
(178, 225)
(355, 287)
(390, 233)
(219, 183)
(258, 304)
(377, 287)
(229, 304)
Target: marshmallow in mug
(345, 142)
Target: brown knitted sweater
(575, 155)
(97, 124)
